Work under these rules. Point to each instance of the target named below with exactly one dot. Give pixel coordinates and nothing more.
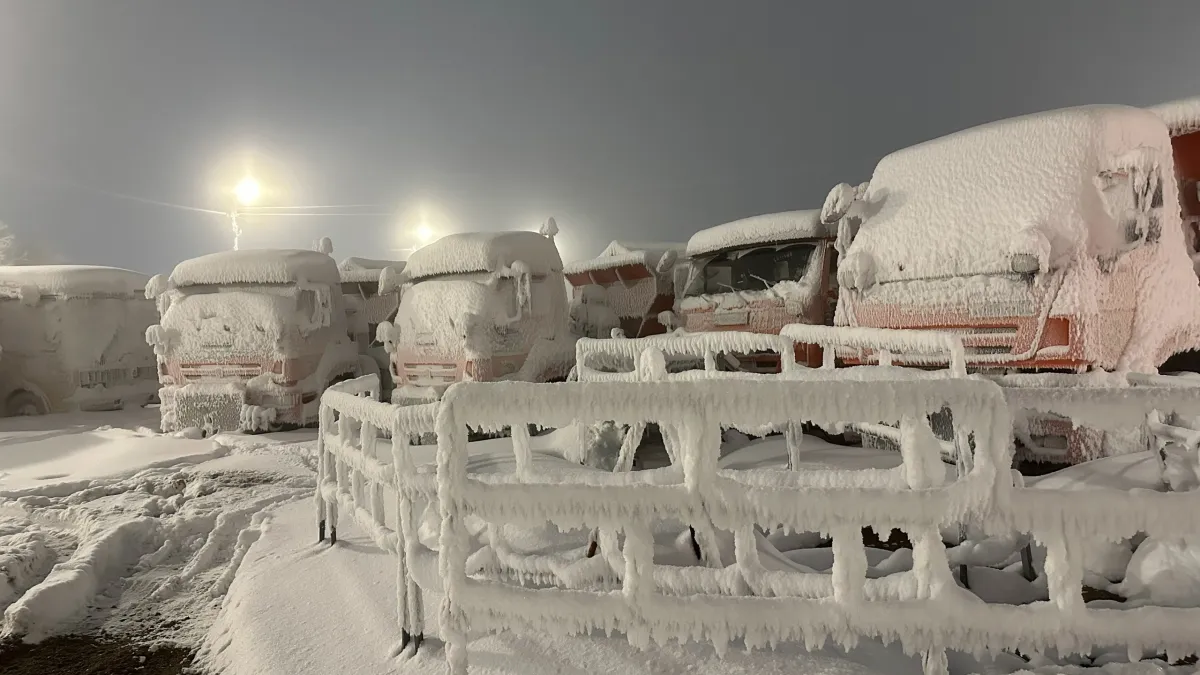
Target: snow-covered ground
(108, 526)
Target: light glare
(247, 191)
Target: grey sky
(644, 119)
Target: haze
(622, 119)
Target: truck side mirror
(837, 203)
(387, 334)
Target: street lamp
(247, 191)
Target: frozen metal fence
(881, 345)
(593, 354)
(623, 589)
(717, 603)
(357, 474)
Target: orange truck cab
(627, 286)
(479, 306)
(1047, 242)
(760, 274)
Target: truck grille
(220, 371)
(431, 374)
(192, 406)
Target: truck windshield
(749, 269)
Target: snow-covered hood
(232, 323)
(967, 203)
(437, 315)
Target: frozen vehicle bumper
(200, 405)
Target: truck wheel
(24, 404)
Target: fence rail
(623, 588)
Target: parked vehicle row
(1061, 241)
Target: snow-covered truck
(760, 274)
(1050, 242)
(72, 339)
(249, 339)
(480, 306)
(627, 286)
(371, 298)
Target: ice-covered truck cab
(479, 306)
(760, 274)
(626, 287)
(249, 339)
(372, 296)
(72, 338)
(1050, 242)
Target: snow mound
(770, 228)
(70, 281)
(966, 203)
(1165, 573)
(257, 266)
(66, 591)
(484, 252)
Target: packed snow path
(126, 531)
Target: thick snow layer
(1182, 116)
(257, 266)
(770, 228)
(484, 252)
(620, 253)
(267, 625)
(71, 281)
(58, 454)
(366, 269)
(966, 203)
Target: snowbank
(71, 585)
(71, 281)
(964, 204)
(257, 266)
(769, 228)
(484, 252)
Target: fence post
(319, 494)
(521, 450)
(793, 436)
(409, 607)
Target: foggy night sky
(623, 119)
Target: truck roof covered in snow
(620, 253)
(257, 266)
(71, 281)
(1182, 116)
(964, 204)
(768, 228)
(484, 252)
(364, 270)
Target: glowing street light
(247, 191)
